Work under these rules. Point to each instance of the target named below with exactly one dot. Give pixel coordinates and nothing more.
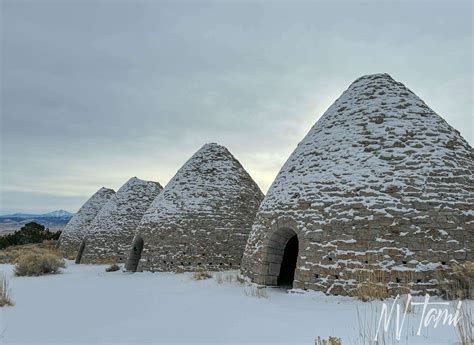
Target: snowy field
(85, 305)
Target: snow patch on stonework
(202, 217)
(378, 167)
(111, 233)
(77, 227)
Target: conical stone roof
(380, 182)
(111, 233)
(203, 216)
(76, 228)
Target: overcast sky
(95, 92)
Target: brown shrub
(36, 264)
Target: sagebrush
(37, 264)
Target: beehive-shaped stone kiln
(201, 219)
(380, 188)
(110, 234)
(75, 229)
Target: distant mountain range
(54, 214)
(55, 220)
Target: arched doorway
(288, 263)
(80, 252)
(135, 255)
(281, 256)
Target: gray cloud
(94, 92)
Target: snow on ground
(86, 305)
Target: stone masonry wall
(74, 231)
(110, 235)
(380, 185)
(203, 217)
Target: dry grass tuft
(112, 268)
(36, 264)
(371, 286)
(464, 328)
(254, 291)
(368, 318)
(457, 282)
(5, 292)
(329, 341)
(405, 301)
(201, 275)
(229, 278)
(99, 261)
(240, 280)
(180, 269)
(11, 254)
